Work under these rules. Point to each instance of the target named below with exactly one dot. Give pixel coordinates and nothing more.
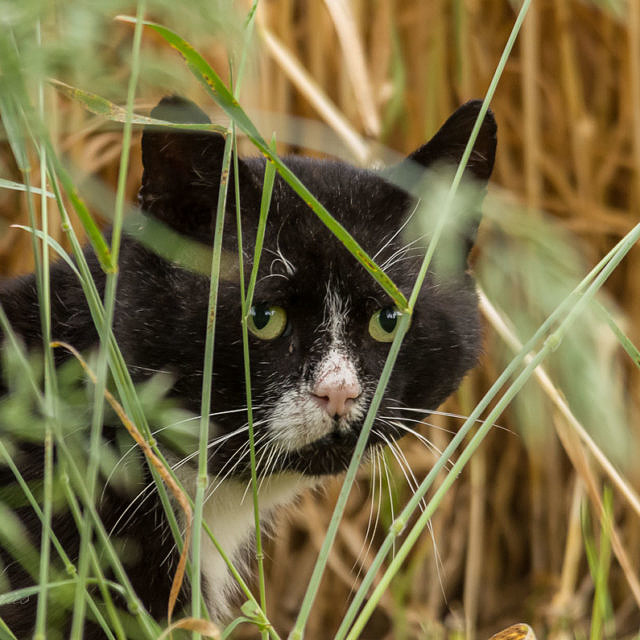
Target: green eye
(266, 322)
(383, 323)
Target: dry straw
(509, 541)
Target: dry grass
(509, 533)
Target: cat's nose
(336, 386)
(336, 399)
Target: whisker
(364, 550)
(169, 426)
(389, 479)
(145, 489)
(400, 458)
(438, 560)
(242, 452)
(395, 235)
(447, 414)
(216, 442)
(437, 452)
(430, 424)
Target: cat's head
(320, 326)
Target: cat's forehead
(302, 255)
(342, 188)
(367, 206)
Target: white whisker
(446, 414)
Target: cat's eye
(267, 322)
(383, 324)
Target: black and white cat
(320, 333)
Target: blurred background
(363, 78)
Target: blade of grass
(265, 202)
(70, 568)
(126, 389)
(17, 186)
(627, 345)
(400, 522)
(305, 609)
(560, 402)
(225, 99)
(54, 244)
(207, 375)
(107, 601)
(50, 388)
(601, 613)
(19, 594)
(102, 107)
(95, 437)
(5, 632)
(247, 362)
(14, 101)
(551, 343)
(12, 339)
(42, 284)
(332, 529)
(230, 147)
(56, 172)
(121, 374)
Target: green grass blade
(94, 234)
(69, 567)
(305, 609)
(627, 345)
(50, 379)
(225, 99)
(104, 330)
(602, 617)
(18, 113)
(247, 366)
(54, 244)
(458, 439)
(207, 376)
(12, 340)
(265, 202)
(349, 479)
(100, 106)
(18, 186)
(552, 342)
(5, 632)
(19, 594)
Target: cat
(320, 330)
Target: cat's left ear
(182, 169)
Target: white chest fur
(230, 516)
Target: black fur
(161, 311)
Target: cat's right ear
(443, 154)
(182, 168)
(448, 144)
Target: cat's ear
(182, 168)
(441, 155)
(448, 144)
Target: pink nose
(336, 397)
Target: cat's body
(320, 333)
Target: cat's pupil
(388, 319)
(261, 315)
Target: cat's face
(320, 326)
